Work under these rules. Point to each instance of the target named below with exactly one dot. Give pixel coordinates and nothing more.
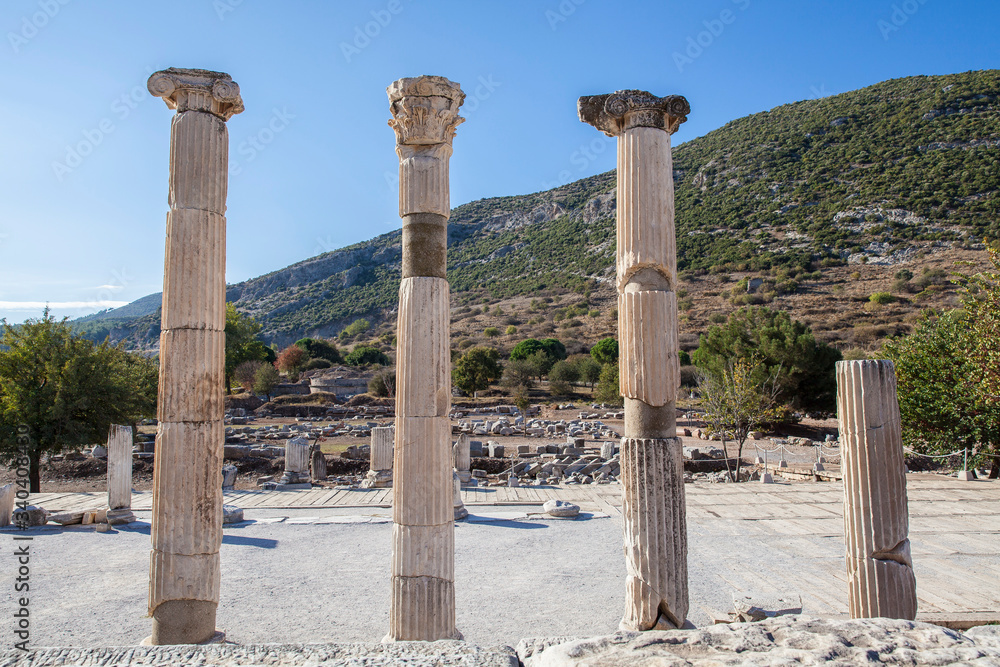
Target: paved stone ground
(320, 574)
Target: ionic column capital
(197, 90)
(424, 109)
(613, 113)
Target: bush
(321, 349)
(491, 332)
(316, 364)
(881, 298)
(689, 376)
(354, 328)
(366, 355)
(511, 330)
(383, 383)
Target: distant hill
(812, 205)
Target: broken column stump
(120, 475)
(880, 575)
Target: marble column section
(187, 498)
(424, 117)
(652, 472)
(380, 458)
(463, 458)
(120, 475)
(880, 577)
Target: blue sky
(83, 179)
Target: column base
(185, 622)
(423, 609)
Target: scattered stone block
(232, 514)
(229, 476)
(561, 508)
(30, 516)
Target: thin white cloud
(39, 305)
(111, 287)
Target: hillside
(813, 206)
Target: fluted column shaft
(187, 497)
(652, 476)
(425, 114)
(880, 575)
(120, 467)
(463, 458)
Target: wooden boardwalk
(954, 531)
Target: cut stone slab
(758, 607)
(561, 508)
(784, 640)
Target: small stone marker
(318, 465)
(119, 454)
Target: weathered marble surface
(880, 575)
(784, 640)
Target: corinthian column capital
(425, 110)
(613, 113)
(197, 90)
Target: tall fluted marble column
(652, 471)
(880, 579)
(187, 498)
(424, 117)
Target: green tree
(945, 402)
(588, 368)
(608, 387)
(562, 375)
(738, 400)
(522, 400)
(319, 348)
(518, 373)
(554, 348)
(266, 380)
(66, 390)
(476, 369)
(605, 351)
(366, 355)
(242, 343)
(526, 348)
(807, 377)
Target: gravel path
(304, 581)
